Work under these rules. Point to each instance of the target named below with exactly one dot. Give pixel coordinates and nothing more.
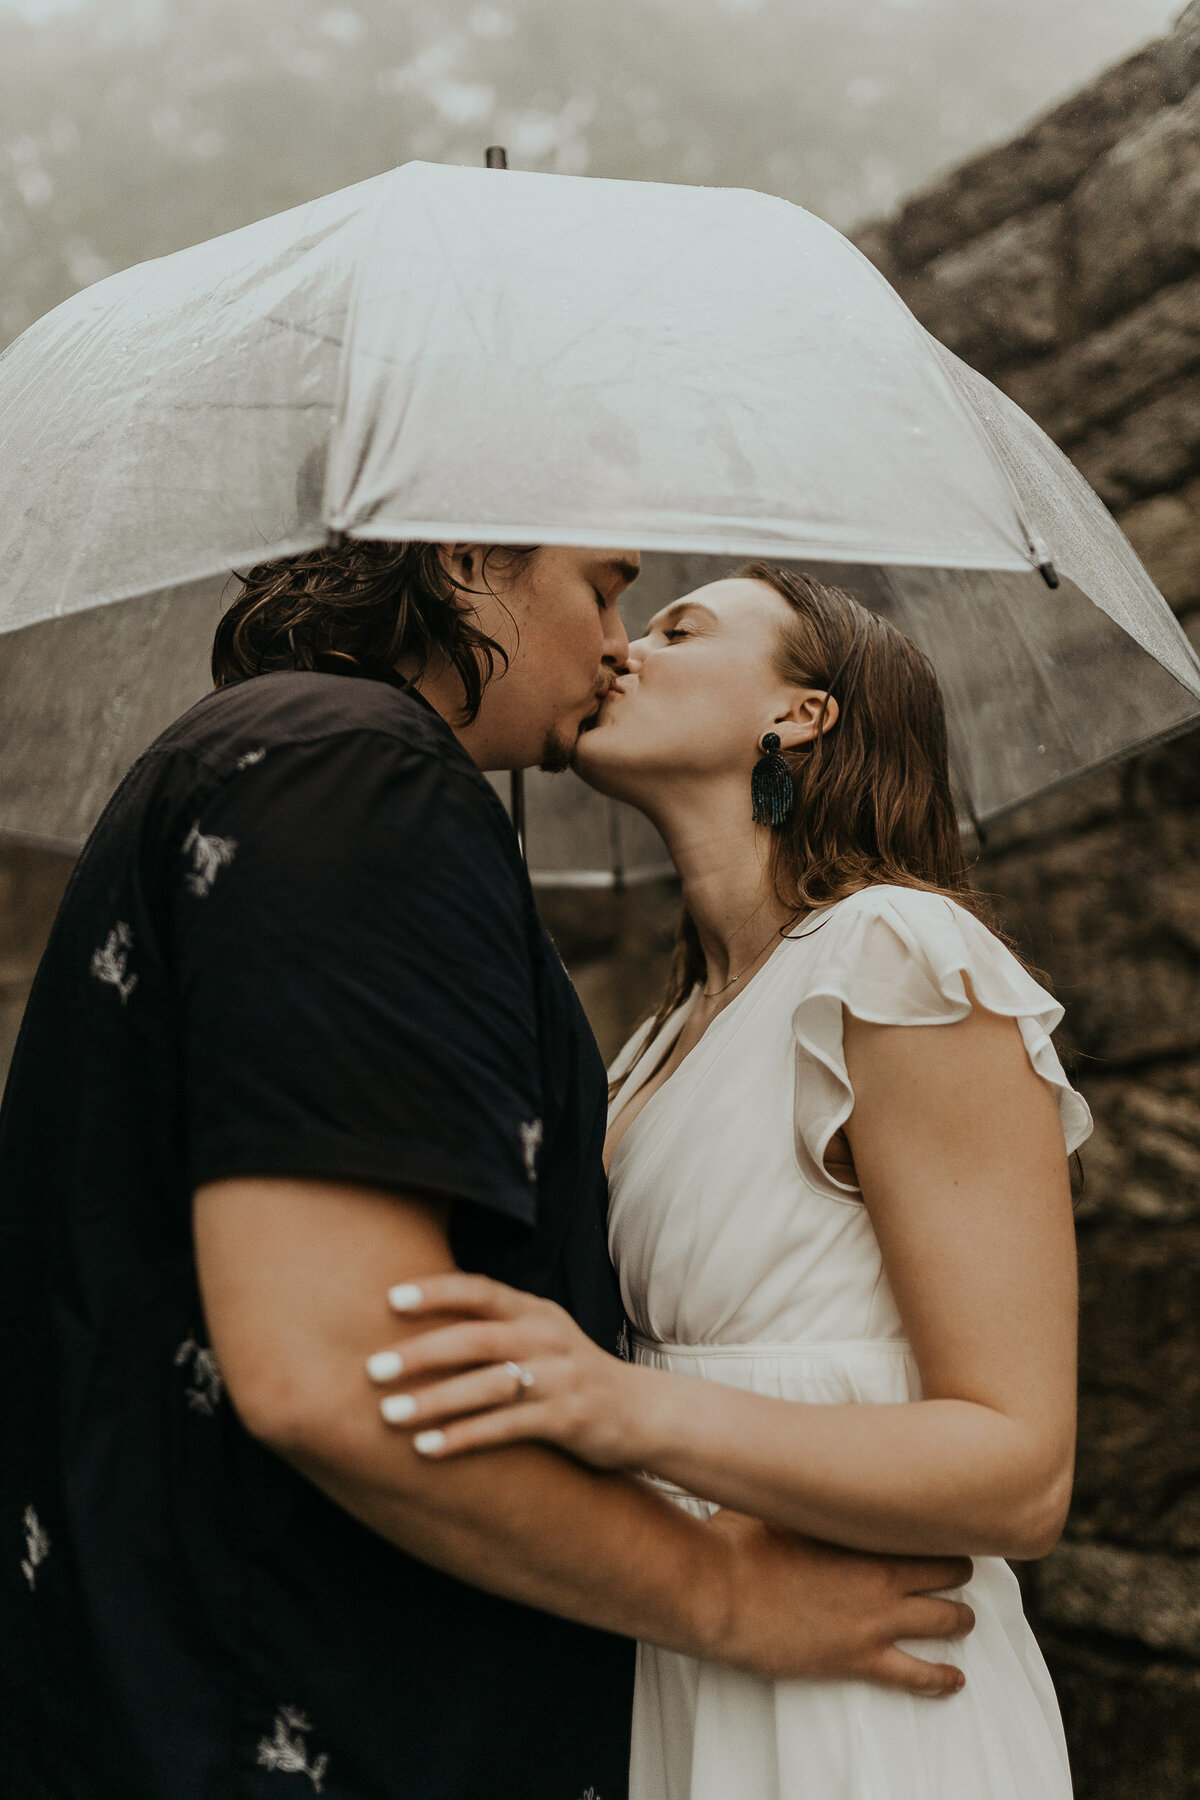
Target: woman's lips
(593, 718)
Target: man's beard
(558, 750)
(557, 753)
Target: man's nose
(616, 643)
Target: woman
(844, 1239)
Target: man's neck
(442, 690)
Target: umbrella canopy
(448, 353)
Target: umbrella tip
(1048, 573)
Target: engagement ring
(522, 1377)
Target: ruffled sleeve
(897, 956)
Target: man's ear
(461, 562)
(812, 711)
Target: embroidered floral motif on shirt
(209, 856)
(111, 962)
(206, 1387)
(531, 1142)
(37, 1546)
(287, 1751)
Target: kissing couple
(398, 1408)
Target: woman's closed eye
(676, 631)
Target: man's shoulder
(301, 706)
(295, 749)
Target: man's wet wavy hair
(362, 601)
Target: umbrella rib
(302, 330)
(201, 406)
(450, 269)
(620, 300)
(1033, 538)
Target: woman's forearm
(924, 1477)
(948, 1475)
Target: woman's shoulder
(898, 952)
(922, 920)
(920, 908)
(914, 956)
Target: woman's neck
(723, 860)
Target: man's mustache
(601, 695)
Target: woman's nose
(634, 655)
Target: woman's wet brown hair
(873, 801)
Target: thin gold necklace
(717, 992)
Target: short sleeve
(352, 945)
(898, 956)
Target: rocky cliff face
(1066, 266)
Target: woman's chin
(595, 764)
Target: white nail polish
(398, 1407)
(385, 1365)
(404, 1297)
(428, 1442)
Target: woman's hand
(515, 1368)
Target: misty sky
(996, 62)
(129, 128)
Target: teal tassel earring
(771, 789)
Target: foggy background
(130, 128)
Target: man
(297, 1037)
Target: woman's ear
(813, 711)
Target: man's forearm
(531, 1525)
(284, 1265)
(293, 1292)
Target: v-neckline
(670, 1032)
(679, 1019)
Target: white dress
(742, 1260)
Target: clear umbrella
(446, 353)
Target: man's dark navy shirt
(299, 942)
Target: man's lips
(593, 718)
